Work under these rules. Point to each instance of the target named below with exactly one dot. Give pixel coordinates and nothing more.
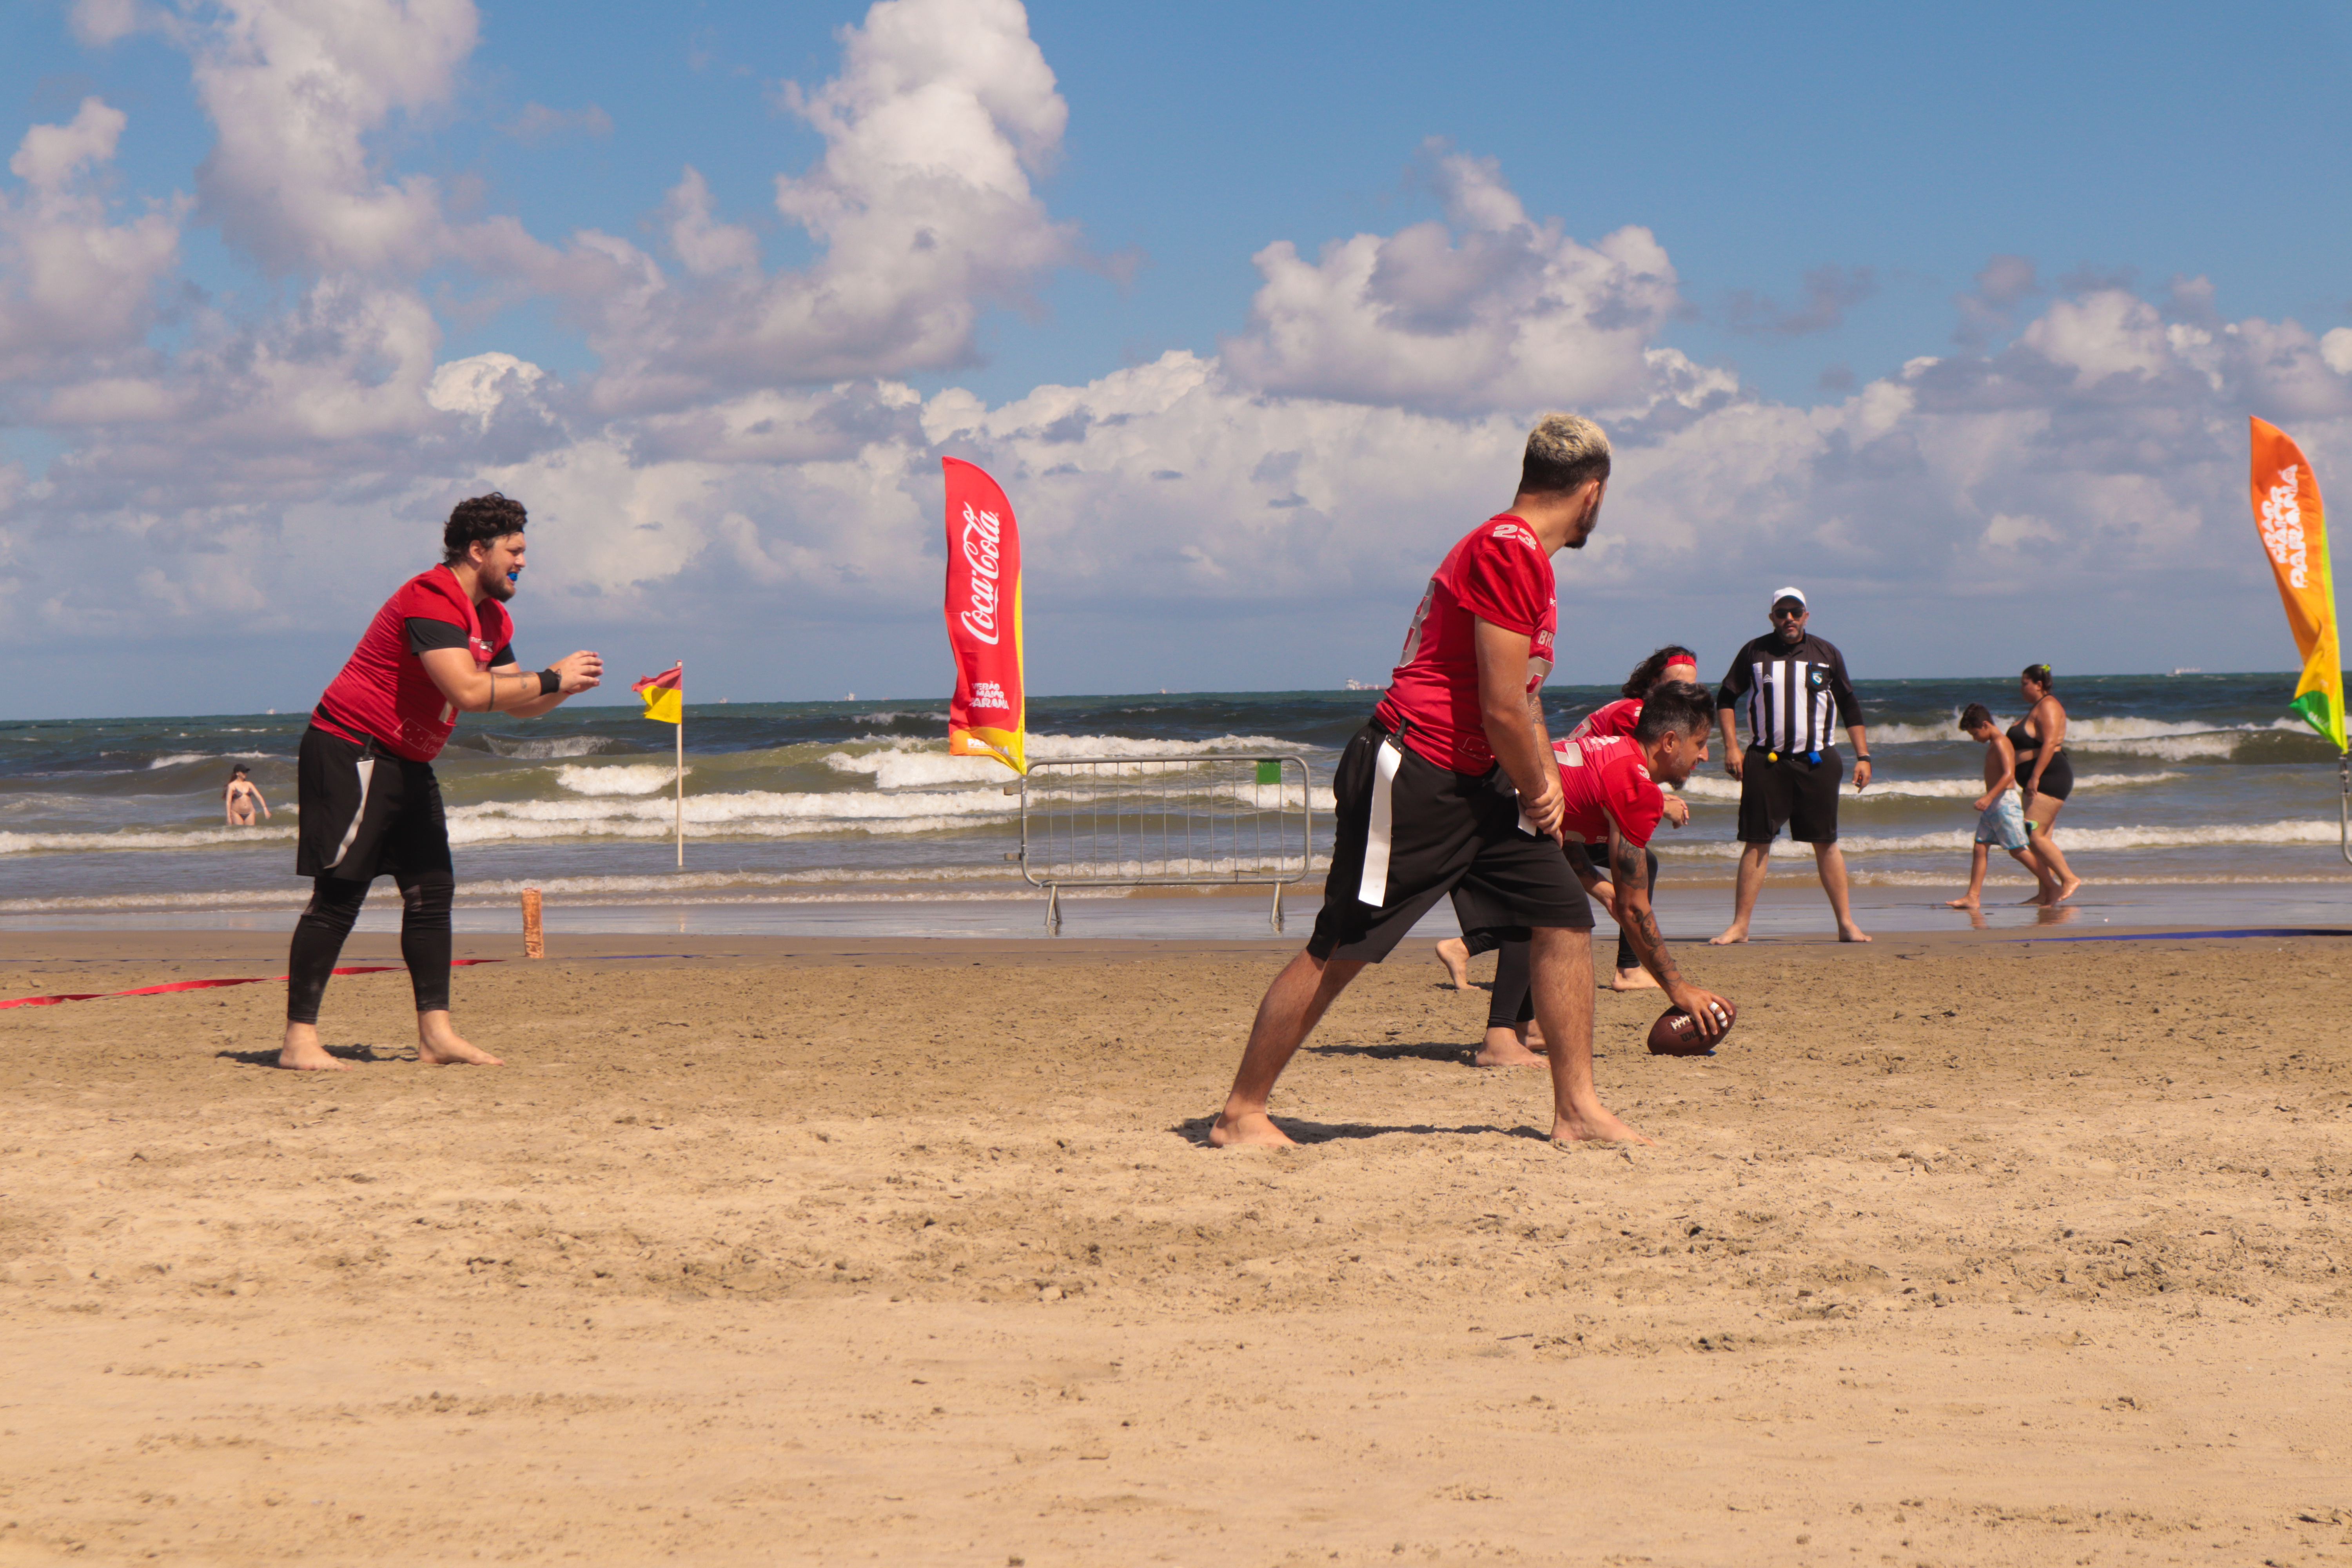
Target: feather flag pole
(665, 700)
(2293, 522)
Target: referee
(1789, 681)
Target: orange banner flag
(2293, 525)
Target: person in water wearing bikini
(2044, 777)
(240, 799)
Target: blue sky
(1954, 314)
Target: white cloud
(478, 386)
(295, 87)
(745, 442)
(72, 283)
(921, 208)
(1488, 311)
(2336, 348)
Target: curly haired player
(370, 805)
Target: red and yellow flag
(988, 716)
(2294, 526)
(664, 695)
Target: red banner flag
(989, 714)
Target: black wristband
(549, 683)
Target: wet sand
(1963, 1251)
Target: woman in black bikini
(2045, 776)
(238, 798)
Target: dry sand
(1963, 1251)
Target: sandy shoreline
(1965, 1249)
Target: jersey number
(1412, 632)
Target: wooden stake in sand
(534, 944)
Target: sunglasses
(1788, 613)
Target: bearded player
(370, 804)
(1453, 782)
(1506, 1042)
(1608, 785)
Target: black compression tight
(334, 905)
(1513, 1002)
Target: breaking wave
(194, 838)
(182, 759)
(2073, 840)
(624, 778)
(1701, 786)
(904, 763)
(2169, 740)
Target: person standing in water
(240, 799)
(2044, 777)
(370, 804)
(1999, 820)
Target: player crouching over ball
(1672, 737)
(1609, 785)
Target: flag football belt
(1813, 757)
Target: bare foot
(1252, 1129)
(2066, 890)
(1731, 934)
(439, 1045)
(1959, 903)
(1594, 1126)
(1851, 933)
(1633, 979)
(1505, 1048)
(303, 1052)
(2040, 896)
(1454, 954)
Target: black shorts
(2057, 779)
(1803, 795)
(1442, 830)
(365, 813)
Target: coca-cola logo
(982, 539)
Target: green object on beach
(1269, 772)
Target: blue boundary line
(2199, 935)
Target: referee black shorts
(365, 813)
(1803, 796)
(1410, 832)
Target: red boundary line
(207, 984)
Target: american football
(1674, 1035)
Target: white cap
(1791, 593)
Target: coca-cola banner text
(989, 714)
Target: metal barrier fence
(1166, 822)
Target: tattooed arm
(1587, 873)
(1631, 908)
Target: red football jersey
(383, 691)
(1497, 571)
(1616, 717)
(1604, 777)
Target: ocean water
(2192, 790)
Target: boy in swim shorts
(2000, 818)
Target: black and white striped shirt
(1789, 691)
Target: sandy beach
(1963, 1251)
